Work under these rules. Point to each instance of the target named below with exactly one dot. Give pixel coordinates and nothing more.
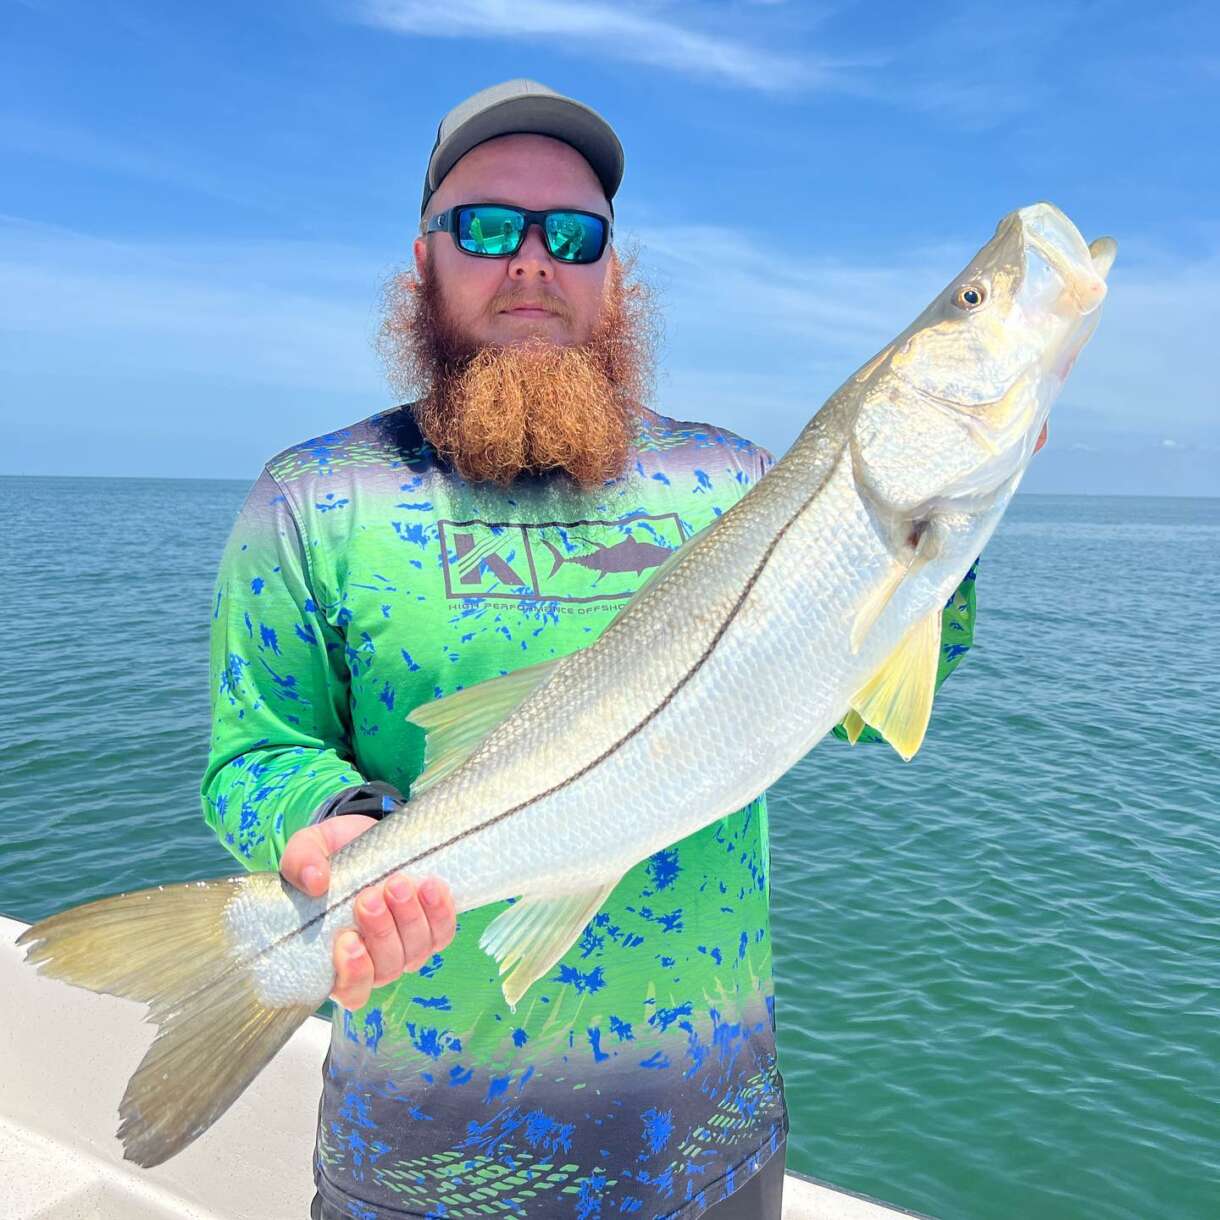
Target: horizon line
(249, 482)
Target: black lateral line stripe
(495, 819)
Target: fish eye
(970, 296)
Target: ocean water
(998, 966)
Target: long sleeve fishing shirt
(363, 579)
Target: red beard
(496, 412)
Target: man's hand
(401, 925)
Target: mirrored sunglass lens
(574, 237)
(489, 230)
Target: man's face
(526, 365)
(529, 296)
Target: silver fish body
(817, 596)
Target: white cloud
(629, 31)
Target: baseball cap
(524, 106)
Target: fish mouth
(1057, 241)
(1083, 269)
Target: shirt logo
(564, 561)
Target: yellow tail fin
(170, 948)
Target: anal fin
(897, 699)
(535, 932)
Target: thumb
(305, 864)
(340, 830)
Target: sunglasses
(495, 230)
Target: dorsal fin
(457, 723)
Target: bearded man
(500, 518)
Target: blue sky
(201, 203)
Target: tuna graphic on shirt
(626, 556)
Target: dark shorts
(761, 1198)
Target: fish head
(953, 410)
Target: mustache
(516, 298)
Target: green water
(998, 966)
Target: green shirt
(363, 579)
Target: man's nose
(532, 257)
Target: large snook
(817, 597)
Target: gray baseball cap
(524, 106)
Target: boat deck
(67, 1056)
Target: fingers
(353, 972)
(438, 906)
(399, 926)
(381, 934)
(413, 928)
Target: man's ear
(420, 249)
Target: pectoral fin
(535, 932)
(870, 611)
(897, 699)
(913, 555)
(457, 723)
